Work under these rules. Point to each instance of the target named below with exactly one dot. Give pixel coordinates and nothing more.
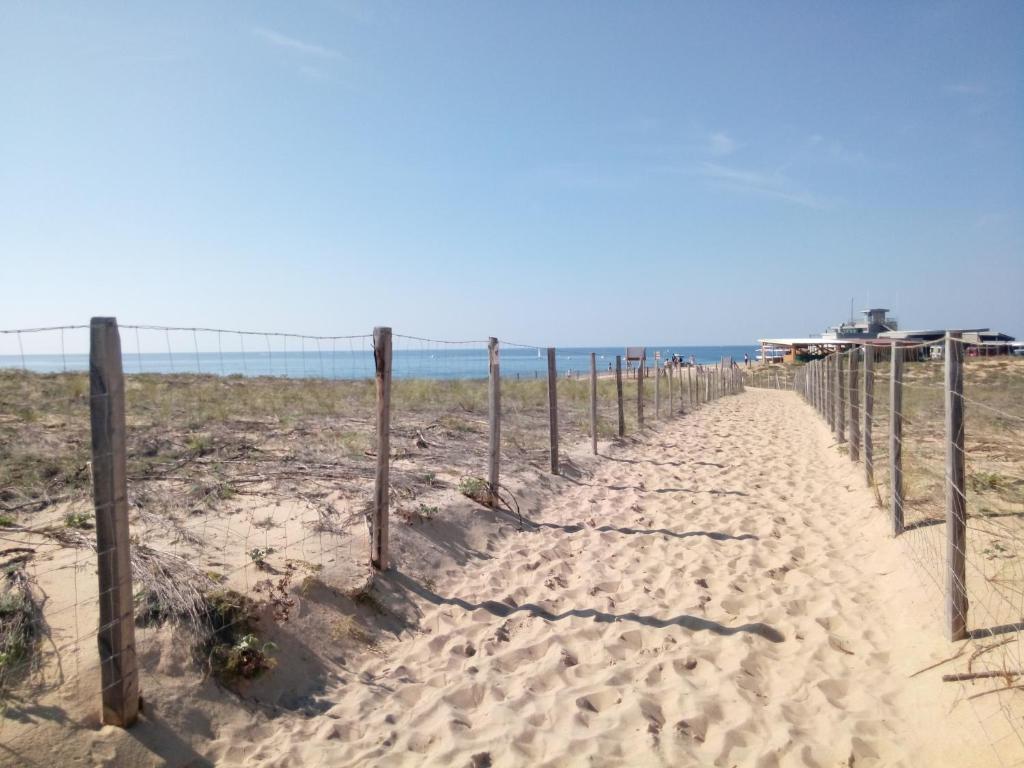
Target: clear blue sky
(526, 170)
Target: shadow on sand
(693, 623)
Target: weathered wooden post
(817, 387)
(822, 403)
(640, 395)
(670, 376)
(618, 394)
(830, 395)
(657, 390)
(854, 394)
(593, 402)
(840, 400)
(119, 672)
(493, 418)
(379, 530)
(896, 438)
(553, 408)
(689, 385)
(868, 435)
(956, 492)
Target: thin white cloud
(721, 145)
(775, 186)
(966, 89)
(279, 40)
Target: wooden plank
(593, 402)
(896, 438)
(618, 394)
(380, 528)
(853, 389)
(689, 385)
(868, 436)
(493, 418)
(553, 409)
(956, 492)
(119, 672)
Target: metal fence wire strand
(990, 666)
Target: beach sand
(721, 591)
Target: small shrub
(986, 481)
(472, 486)
(80, 520)
(20, 621)
(200, 445)
(232, 649)
(259, 556)
(6, 521)
(245, 659)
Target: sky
(564, 173)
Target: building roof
(803, 342)
(924, 334)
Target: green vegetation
(80, 520)
(259, 555)
(232, 649)
(472, 487)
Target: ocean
(410, 359)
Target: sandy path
(720, 593)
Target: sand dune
(720, 592)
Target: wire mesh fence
(247, 474)
(947, 466)
(780, 376)
(251, 473)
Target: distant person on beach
(746, 359)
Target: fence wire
(989, 666)
(251, 460)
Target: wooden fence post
(493, 418)
(854, 395)
(119, 672)
(689, 385)
(670, 376)
(657, 390)
(379, 531)
(816, 384)
(868, 435)
(830, 395)
(896, 438)
(956, 490)
(618, 394)
(840, 401)
(593, 402)
(821, 388)
(553, 408)
(640, 394)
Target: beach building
(981, 342)
(878, 327)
